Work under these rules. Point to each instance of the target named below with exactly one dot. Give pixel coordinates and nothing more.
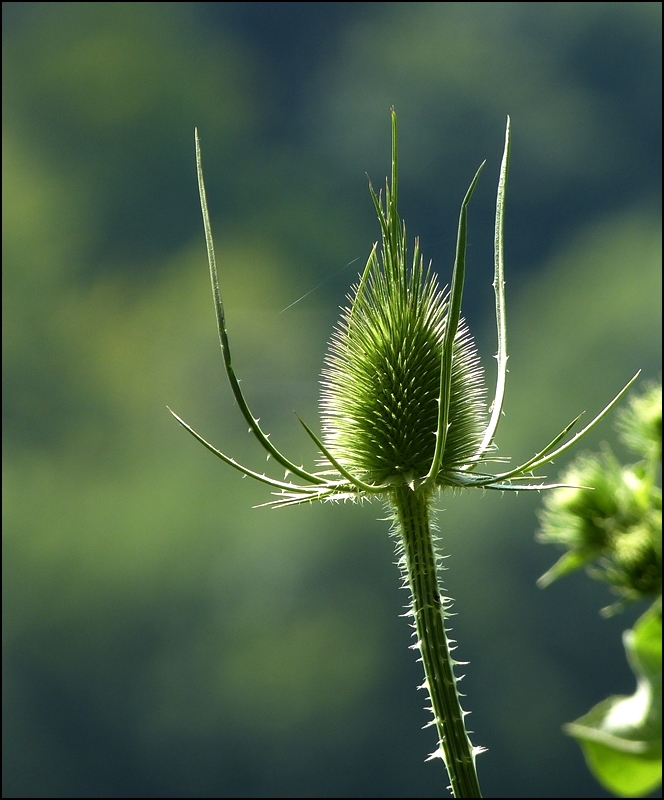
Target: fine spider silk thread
(318, 285)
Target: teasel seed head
(381, 382)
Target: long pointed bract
(223, 337)
(499, 290)
(453, 314)
(544, 456)
(291, 487)
(360, 484)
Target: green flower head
(381, 384)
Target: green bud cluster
(613, 527)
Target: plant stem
(419, 564)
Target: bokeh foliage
(161, 638)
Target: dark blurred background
(162, 638)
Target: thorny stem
(428, 608)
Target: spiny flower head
(381, 383)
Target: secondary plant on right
(613, 528)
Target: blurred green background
(162, 638)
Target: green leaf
(621, 737)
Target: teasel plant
(403, 413)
